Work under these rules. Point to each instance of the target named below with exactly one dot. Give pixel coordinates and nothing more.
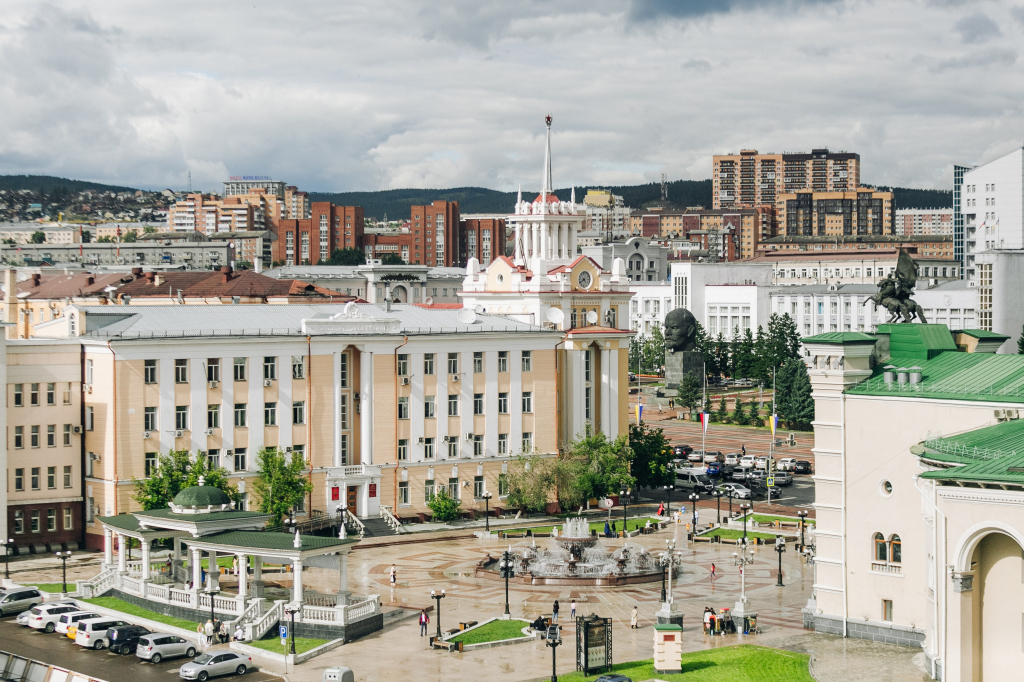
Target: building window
(67, 394)
(478, 403)
(149, 419)
(67, 435)
(68, 518)
(403, 365)
(151, 464)
(240, 460)
(453, 363)
(19, 522)
(403, 408)
(51, 520)
(34, 521)
(35, 478)
(502, 443)
(453, 405)
(478, 446)
(299, 412)
(881, 549)
(428, 490)
(240, 415)
(428, 364)
(19, 479)
(478, 487)
(51, 394)
(270, 368)
(240, 369)
(344, 411)
(527, 402)
(181, 371)
(51, 435)
(270, 414)
(453, 488)
(478, 362)
(213, 416)
(34, 436)
(51, 478)
(344, 370)
(88, 371)
(428, 448)
(181, 417)
(527, 361)
(149, 371)
(19, 437)
(299, 367)
(403, 449)
(453, 449)
(403, 492)
(502, 361)
(344, 448)
(19, 395)
(502, 485)
(527, 442)
(503, 403)
(895, 549)
(213, 369)
(89, 421)
(33, 398)
(429, 407)
(887, 610)
(67, 476)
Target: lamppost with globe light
(803, 519)
(718, 505)
(742, 559)
(487, 510)
(64, 556)
(291, 610)
(622, 498)
(743, 509)
(780, 547)
(554, 638)
(693, 498)
(506, 567)
(438, 597)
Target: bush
(444, 507)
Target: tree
(281, 484)
(104, 240)
(86, 236)
(652, 456)
(1020, 343)
(38, 237)
(392, 259)
(738, 415)
(530, 479)
(445, 508)
(131, 237)
(755, 414)
(743, 357)
(793, 401)
(720, 414)
(689, 392)
(721, 355)
(591, 466)
(635, 351)
(347, 257)
(704, 347)
(149, 229)
(655, 349)
(176, 471)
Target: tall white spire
(546, 188)
(519, 197)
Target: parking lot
(57, 649)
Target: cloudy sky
(381, 94)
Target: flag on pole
(773, 422)
(639, 412)
(704, 419)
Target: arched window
(895, 550)
(572, 319)
(881, 551)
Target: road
(57, 649)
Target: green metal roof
(954, 376)
(122, 521)
(666, 626)
(982, 334)
(201, 518)
(273, 541)
(201, 496)
(990, 442)
(1008, 469)
(917, 342)
(840, 337)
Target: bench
(467, 625)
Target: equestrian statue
(894, 292)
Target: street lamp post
(731, 494)
(693, 498)
(487, 510)
(64, 556)
(507, 568)
(622, 497)
(743, 509)
(554, 639)
(668, 507)
(780, 547)
(742, 559)
(718, 505)
(7, 556)
(291, 610)
(438, 597)
(803, 517)
(213, 593)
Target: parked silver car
(216, 663)
(72, 619)
(735, 490)
(45, 616)
(92, 632)
(18, 600)
(157, 646)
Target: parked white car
(786, 463)
(45, 616)
(92, 633)
(69, 619)
(761, 462)
(747, 461)
(733, 458)
(695, 456)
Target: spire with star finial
(546, 188)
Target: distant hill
(904, 197)
(49, 183)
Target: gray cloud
(982, 59)
(977, 28)
(1018, 14)
(701, 65)
(653, 10)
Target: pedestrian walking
(200, 635)
(424, 619)
(634, 618)
(712, 571)
(572, 610)
(392, 575)
(661, 509)
(208, 631)
(554, 612)
(743, 449)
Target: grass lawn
(302, 645)
(725, 664)
(132, 610)
(492, 632)
(764, 518)
(616, 524)
(53, 587)
(731, 534)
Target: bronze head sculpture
(680, 331)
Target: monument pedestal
(668, 615)
(678, 365)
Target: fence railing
(262, 625)
(319, 614)
(350, 519)
(391, 519)
(98, 585)
(957, 386)
(360, 610)
(965, 451)
(886, 568)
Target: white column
(572, 241)
(177, 549)
(366, 407)
(213, 575)
(562, 241)
(297, 581)
(257, 568)
(337, 409)
(242, 576)
(145, 558)
(342, 578)
(108, 546)
(605, 393)
(122, 554)
(517, 252)
(197, 569)
(576, 385)
(535, 249)
(544, 241)
(613, 392)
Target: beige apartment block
(751, 179)
(861, 211)
(44, 445)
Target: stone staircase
(377, 528)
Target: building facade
(646, 260)
(196, 254)
(923, 221)
(481, 236)
(859, 211)
(992, 205)
(750, 179)
(312, 240)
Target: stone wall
(888, 633)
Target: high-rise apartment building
(923, 221)
(958, 216)
(481, 237)
(437, 225)
(312, 240)
(992, 206)
(810, 213)
(752, 179)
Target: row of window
(239, 369)
(431, 487)
(35, 436)
(35, 478)
(151, 422)
(430, 360)
(233, 460)
(34, 519)
(430, 405)
(452, 444)
(34, 394)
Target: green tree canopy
(175, 471)
(38, 237)
(282, 483)
(347, 257)
(793, 401)
(652, 456)
(690, 392)
(131, 237)
(530, 479)
(444, 507)
(392, 259)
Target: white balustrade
(261, 626)
(131, 585)
(159, 592)
(360, 610)
(319, 614)
(183, 597)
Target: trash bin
(338, 675)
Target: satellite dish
(478, 308)
(429, 300)
(467, 316)
(592, 317)
(554, 315)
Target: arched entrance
(399, 294)
(995, 627)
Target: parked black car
(802, 466)
(124, 639)
(682, 450)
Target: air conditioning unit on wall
(268, 382)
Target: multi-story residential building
(45, 458)
(481, 236)
(376, 283)
(992, 205)
(958, 216)
(22, 233)
(439, 224)
(646, 260)
(312, 240)
(750, 179)
(195, 253)
(691, 282)
(839, 267)
(860, 211)
(930, 246)
(257, 208)
(748, 227)
(923, 221)
(385, 403)
(118, 231)
(607, 214)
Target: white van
(695, 477)
(747, 461)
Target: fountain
(577, 559)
